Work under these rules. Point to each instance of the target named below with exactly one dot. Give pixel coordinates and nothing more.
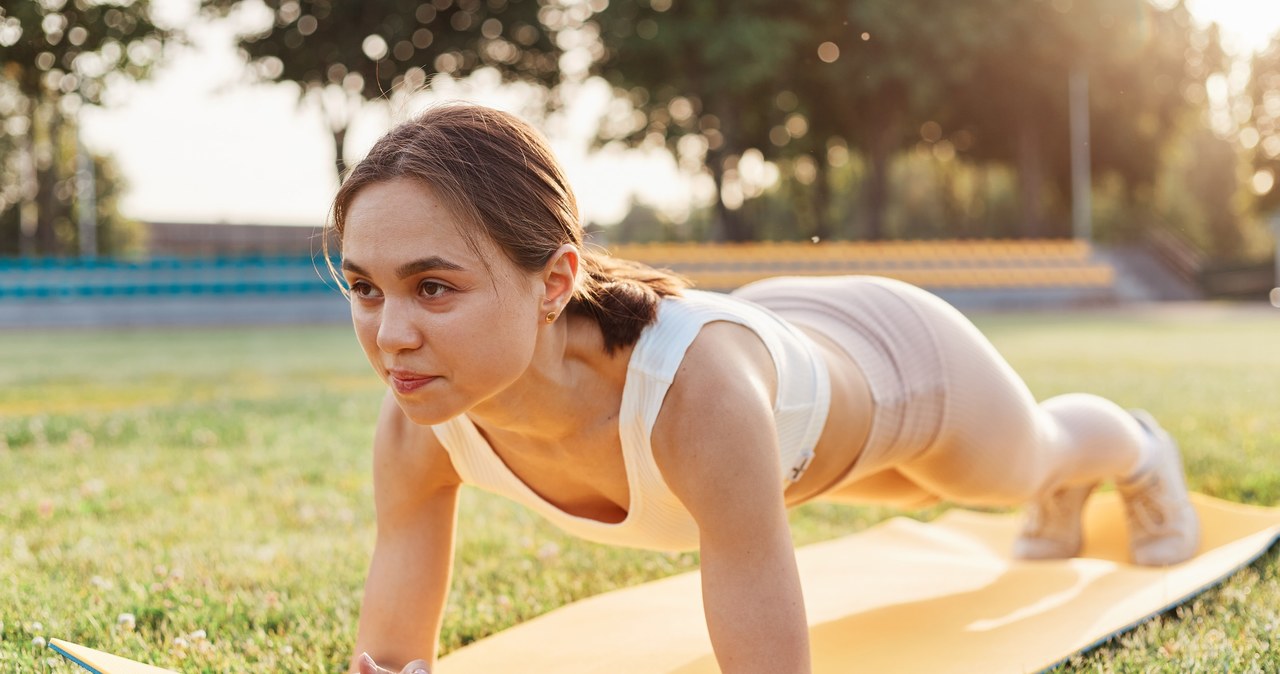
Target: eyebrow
(433, 263)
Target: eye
(363, 290)
(433, 289)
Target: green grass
(214, 485)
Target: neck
(570, 384)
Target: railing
(1225, 280)
(1177, 254)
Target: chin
(424, 414)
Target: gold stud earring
(550, 317)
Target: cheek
(501, 338)
(366, 329)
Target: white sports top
(656, 519)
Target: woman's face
(446, 328)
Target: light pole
(86, 203)
(1081, 182)
(1275, 234)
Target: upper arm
(717, 448)
(410, 467)
(415, 496)
(715, 441)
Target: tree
(114, 233)
(698, 75)
(343, 54)
(59, 55)
(875, 71)
(1140, 61)
(985, 81)
(1263, 130)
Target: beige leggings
(951, 419)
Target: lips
(404, 381)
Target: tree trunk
(46, 160)
(27, 209)
(954, 222)
(822, 200)
(339, 147)
(876, 188)
(979, 217)
(1030, 176)
(730, 225)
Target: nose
(397, 329)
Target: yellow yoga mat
(903, 596)
(98, 662)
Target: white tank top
(656, 519)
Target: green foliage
(978, 81)
(116, 234)
(61, 48)
(370, 47)
(343, 54)
(1263, 99)
(699, 69)
(1201, 197)
(214, 485)
(894, 66)
(56, 56)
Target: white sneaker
(1052, 529)
(1163, 526)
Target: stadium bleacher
(168, 290)
(1010, 271)
(214, 289)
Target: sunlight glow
(1247, 25)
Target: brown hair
(497, 173)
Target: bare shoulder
(718, 417)
(724, 357)
(409, 462)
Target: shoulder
(409, 462)
(724, 357)
(718, 416)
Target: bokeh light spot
(931, 131)
(374, 47)
(1263, 181)
(828, 52)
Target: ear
(560, 278)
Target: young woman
(632, 410)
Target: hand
(368, 666)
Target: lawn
(200, 499)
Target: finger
(415, 667)
(368, 666)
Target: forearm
(755, 615)
(399, 624)
(407, 588)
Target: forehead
(404, 218)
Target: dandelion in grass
(126, 622)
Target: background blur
(171, 149)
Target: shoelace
(1046, 511)
(1144, 505)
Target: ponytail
(622, 296)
